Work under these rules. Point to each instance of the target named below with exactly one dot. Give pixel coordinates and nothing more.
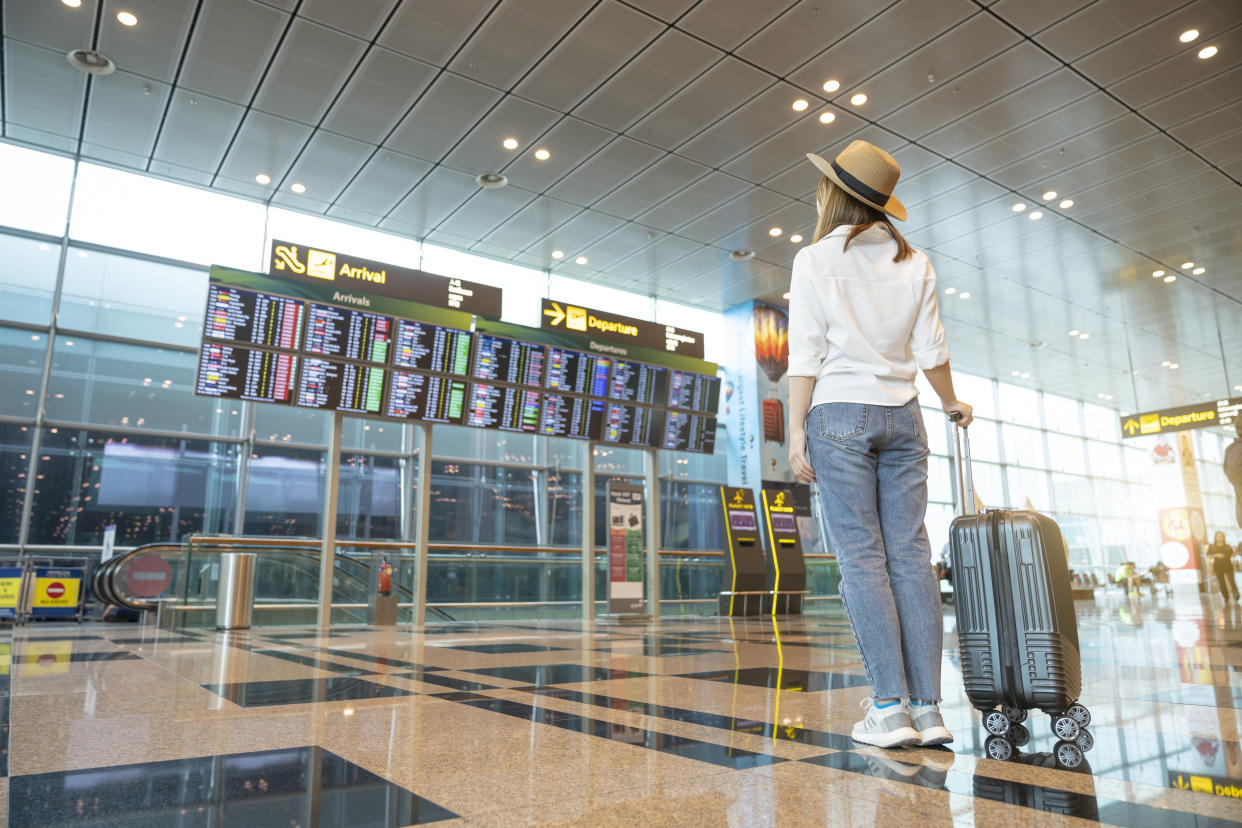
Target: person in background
(863, 319)
(1127, 575)
(1219, 556)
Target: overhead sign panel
(599, 324)
(364, 276)
(1200, 415)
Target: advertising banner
(10, 590)
(56, 592)
(625, 548)
(109, 542)
(741, 400)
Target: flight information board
(349, 333)
(684, 431)
(569, 416)
(695, 392)
(431, 348)
(632, 425)
(428, 397)
(502, 407)
(250, 318)
(576, 372)
(340, 386)
(508, 360)
(636, 382)
(244, 373)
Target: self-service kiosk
(745, 578)
(786, 569)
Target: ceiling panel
(232, 43)
(310, 68)
(481, 150)
(264, 144)
(653, 185)
(513, 38)
(704, 101)
(751, 123)
(616, 163)
(360, 18)
(803, 30)
(727, 23)
(327, 164)
(1033, 17)
(428, 203)
(703, 196)
(532, 223)
(451, 106)
(573, 140)
(383, 89)
(42, 91)
(154, 47)
(53, 26)
(1098, 24)
(196, 131)
(122, 119)
(385, 179)
(432, 32)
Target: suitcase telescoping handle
(965, 476)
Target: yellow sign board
(10, 589)
(1200, 415)
(56, 592)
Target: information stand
(745, 573)
(625, 549)
(786, 569)
(56, 592)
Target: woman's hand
(959, 407)
(797, 457)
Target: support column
(651, 467)
(327, 555)
(588, 534)
(423, 524)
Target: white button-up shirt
(861, 324)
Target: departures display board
(267, 347)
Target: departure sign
(341, 386)
(636, 382)
(576, 372)
(343, 332)
(599, 324)
(501, 407)
(1201, 415)
(566, 416)
(508, 360)
(245, 374)
(431, 348)
(250, 318)
(695, 392)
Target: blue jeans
(870, 464)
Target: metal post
(588, 534)
(651, 463)
(424, 526)
(243, 467)
(327, 556)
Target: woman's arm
(800, 389)
(941, 379)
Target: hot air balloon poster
(772, 341)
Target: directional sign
(599, 324)
(1201, 415)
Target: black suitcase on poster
(1016, 627)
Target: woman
(1221, 557)
(863, 319)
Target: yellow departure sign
(1200, 415)
(600, 324)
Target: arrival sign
(1200, 415)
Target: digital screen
(245, 374)
(339, 386)
(344, 332)
(497, 406)
(250, 318)
(684, 431)
(636, 382)
(564, 416)
(576, 372)
(445, 400)
(742, 520)
(507, 360)
(695, 392)
(431, 348)
(632, 425)
(708, 436)
(784, 523)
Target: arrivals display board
(298, 341)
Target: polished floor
(689, 721)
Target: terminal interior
(1073, 169)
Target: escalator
(134, 581)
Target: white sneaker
(885, 727)
(927, 720)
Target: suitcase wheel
(998, 748)
(1085, 741)
(1014, 714)
(1019, 735)
(1068, 754)
(1065, 728)
(1079, 714)
(997, 723)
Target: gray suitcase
(1016, 627)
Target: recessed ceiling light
(298, 187)
(558, 254)
(1050, 195)
(1187, 265)
(1156, 274)
(800, 104)
(827, 117)
(1019, 206)
(128, 19)
(263, 178)
(1066, 203)
(831, 85)
(581, 260)
(964, 295)
(1170, 278)
(775, 231)
(1015, 373)
(73, 4)
(1074, 332)
(796, 238)
(949, 291)
(1199, 271)
(1026, 375)
(1165, 364)
(1084, 335)
(1035, 215)
(785, 295)
(509, 143)
(542, 154)
(741, 255)
(1207, 52)
(858, 99)
(1188, 35)
(1173, 366)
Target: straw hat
(866, 172)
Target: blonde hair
(837, 208)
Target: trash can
(235, 595)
